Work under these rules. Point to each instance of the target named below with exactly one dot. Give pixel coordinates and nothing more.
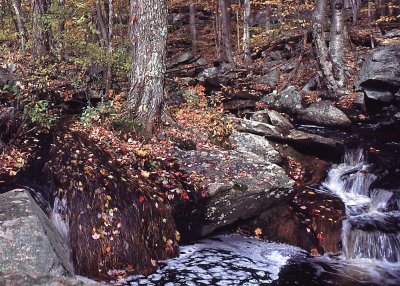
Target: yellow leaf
(141, 152)
(258, 231)
(145, 174)
(177, 236)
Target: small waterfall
(371, 229)
(59, 217)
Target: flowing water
(370, 238)
(370, 242)
(372, 227)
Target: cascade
(371, 229)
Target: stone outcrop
(380, 74)
(323, 113)
(29, 243)
(288, 101)
(257, 145)
(240, 185)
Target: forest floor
(59, 88)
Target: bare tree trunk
(324, 62)
(225, 31)
(109, 45)
(63, 17)
(269, 15)
(20, 21)
(217, 31)
(355, 9)
(337, 44)
(148, 35)
(41, 34)
(101, 23)
(369, 25)
(193, 31)
(238, 29)
(246, 32)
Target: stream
(370, 238)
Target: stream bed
(370, 241)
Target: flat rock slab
(29, 242)
(325, 114)
(256, 144)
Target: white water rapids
(372, 227)
(370, 238)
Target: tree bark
(148, 35)
(20, 21)
(322, 51)
(41, 33)
(246, 32)
(337, 43)
(193, 31)
(101, 24)
(109, 46)
(225, 33)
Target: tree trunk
(337, 43)
(41, 34)
(193, 31)
(20, 21)
(101, 24)
(246, 33)
(355, 9)
(109, 46)
(148, 35)
(225, 31)
(324, 62)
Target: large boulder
(270, 78)
(256, 144)
(240, 185)
(309, 143)
(182, 58)
(279, 120)
(288, 101)
(256, 127)
(380, 74)
(325, 114)
(29, 242)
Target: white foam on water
(60, 219)
(369, 231)
(226, 260)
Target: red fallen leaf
(320, 236)
(141, 199)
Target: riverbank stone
(29, 242)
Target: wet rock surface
(323, 213)
(28, 240)
(312, 221)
